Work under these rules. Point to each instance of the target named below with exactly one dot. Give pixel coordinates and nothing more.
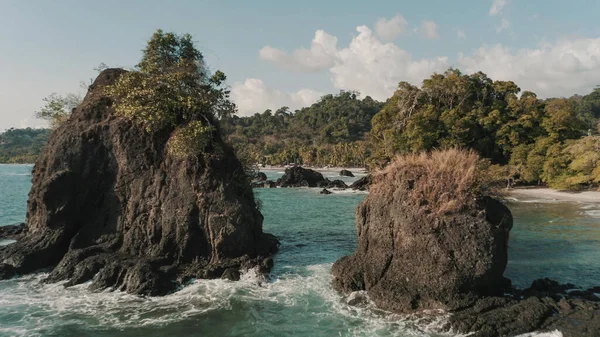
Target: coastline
(359, 170)
(550, 194)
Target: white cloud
(429, 29)
(318, 57)
(461, 34)
(375, 68)
(563, 68)
(392, 28)
(497, 7)
(252, 96)
(504, 25)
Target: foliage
(18, 146)
(58, 108)
(332, 131)
(530, 135)
(173, 88)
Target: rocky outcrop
(298, 176)
(430, 237)
(362, 184)
(574, 313)
(346, 173)
(259, 176)
(111, 205)
(325, 191)
(417, 250)
(264, 184)
(332, 184)
(13, 232)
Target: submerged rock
(111, 205)
(346, 173)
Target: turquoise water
(560, 240)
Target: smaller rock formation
(259, 176)
(346, 173)
(333, 184)
(362, 184)
(298, 176)
(325, 191)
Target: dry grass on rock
(442, 181)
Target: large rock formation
(109, 203)
(413, 254)
(430, 237)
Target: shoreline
(554, 195)
(358, 170)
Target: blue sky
(289, 53)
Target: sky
(290, 53)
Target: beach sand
(550, 194)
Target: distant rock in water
(362, 184)
(325, 191)
(430, 237)
(111, 205)
(420, 247)
(265, 184)
(346, 173)
(298, 176)
(259, 176)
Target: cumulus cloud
(392, 28)
(318, 57)
(375, 68)
(497, 7)
(563, 68)
(429, 29)
(252, 96)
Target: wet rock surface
(362, 184)
(111, 205)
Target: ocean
(560, 240)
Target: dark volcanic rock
(109, 203)
(264, 184)
(298, 176)
(326, 183)
(325, 191)
(13, 232)
(346, 173)
(259, 176)
(412, 255)
(362, 184)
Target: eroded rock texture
(109, 203)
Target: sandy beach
(550, 194)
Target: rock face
(109, 204)
(346, 173)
